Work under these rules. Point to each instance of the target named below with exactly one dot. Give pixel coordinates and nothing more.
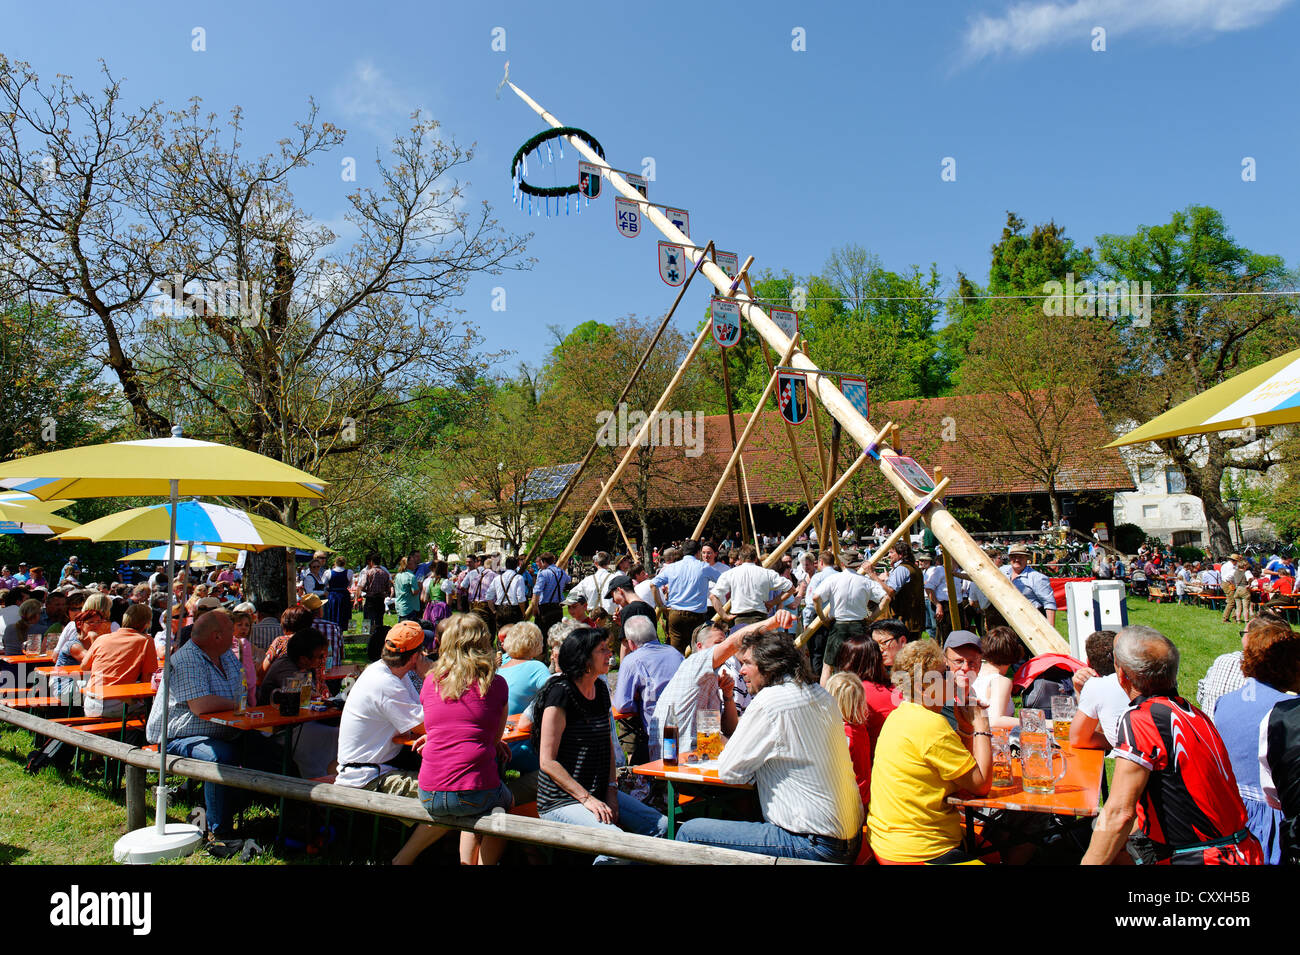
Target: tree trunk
(1054, 499)
(1206, 483)
(265, 576)
(645, 541)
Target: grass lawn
(1199, 633)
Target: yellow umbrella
(22, 497)
(156, 467)
(1266, 395)
(13, 512)
(155, 554)
(193, 522)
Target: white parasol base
(147, 846)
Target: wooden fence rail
(499, 823)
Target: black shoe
(224, 848)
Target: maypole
(1016, 610)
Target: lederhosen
(508, 611)
(549, 609)
(482, 608)
(909, 602)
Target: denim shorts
(466, 803)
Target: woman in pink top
(242, 647)
(464, 717)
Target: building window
(1146, 473)
(1186, 538)
(1150, 512)
(1175, 482)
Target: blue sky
(777, 153)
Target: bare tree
(214, 298)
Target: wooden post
(736, 452)
(836, 431)
(731, 423)
(954, 613)
(135, 818)
(627, 389)
(749, 503)
(1022, 616)
(789, 429)
(821, 457)
(635, 444)
(627, 542)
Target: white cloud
(1027, 27)
(369, 97)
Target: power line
(1101, 295)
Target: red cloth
(1035, 667)
(860, 744)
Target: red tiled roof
(686, 482)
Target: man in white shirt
(509, 594)
(790, 744)
(382, 704)
(1102, 701)
(843, 602)
(595, 584)
(750, 587)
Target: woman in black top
(575, 742)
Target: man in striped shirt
(790, 743)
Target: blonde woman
(920, 760)
(464, 716)
(847, 689)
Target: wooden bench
(99, 726)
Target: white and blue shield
(627, 216)
(638, 183)
(792, 396)
(588, 179)
(786, 319)
(672, 263)
(725, 322)
(729, 262)
(681, 219)
(855, 389)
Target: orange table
(1078, 792)
(684, 772)
(38, 659)
(342, 672)
(59, 671)
(121, 691)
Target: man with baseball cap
(622, 591)
(383, 703)
(1035, 586)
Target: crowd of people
(854, 736)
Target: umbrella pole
(160, 799)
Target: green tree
(1193, 339)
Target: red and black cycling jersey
(1191, 798)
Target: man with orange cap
(384, 703)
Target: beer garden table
(1077, 793)
(686, 771)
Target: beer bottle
(670, 738)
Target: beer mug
(1003, 777)
(708, 734)
(289, 696)
(1038, 763)
(1063, 709)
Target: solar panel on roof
(545, 484)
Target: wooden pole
(912, 517)
(627, 389)
(789, 431)
(731, 423)
(634, 445)
(1022, 616)
(836, 431)
(821, 459)
(736, 452)
(749, 503)
(954, 613)
(135, 818)
(626, 540)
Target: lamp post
(1234, 501)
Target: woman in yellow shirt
(920, 761)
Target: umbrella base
(147, 846)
